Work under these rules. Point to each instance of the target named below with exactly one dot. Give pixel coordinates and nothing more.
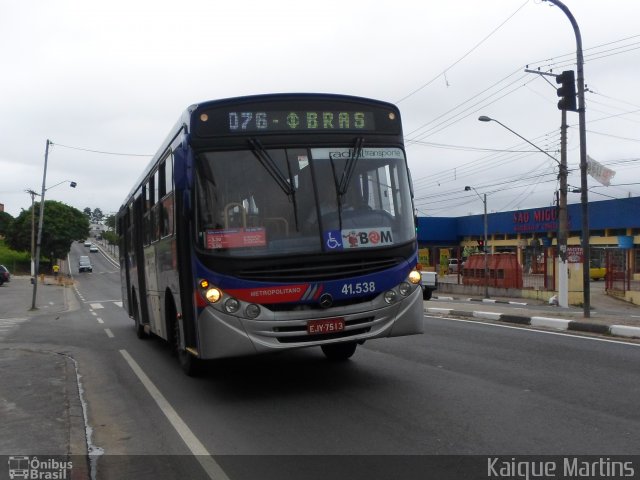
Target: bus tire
(139, 327)
(190, 365)
(339, 352)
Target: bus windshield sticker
(236, 238)
(365, 153)
(358, 238)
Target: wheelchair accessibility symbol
(331, 241)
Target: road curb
(482, 300)
(543, 322)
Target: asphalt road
(462, 388)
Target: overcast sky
(115, 76)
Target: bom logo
(374, 237)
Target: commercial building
(531, 235)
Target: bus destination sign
(302, 121)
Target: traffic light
(567, 91)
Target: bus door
(151, 224)
(153, 292)
(125, 230)
(137, 258)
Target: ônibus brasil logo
(33, 468)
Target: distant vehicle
(429, 284)
(93, 248)
(455, 265)
(5, 275)
(87, 243)
(84, 264)
(597, 273)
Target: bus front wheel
(189, 364)
(339, 352)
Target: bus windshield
(260, 202)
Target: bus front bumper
(221, 335)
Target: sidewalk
(608, 316)
(42, 410)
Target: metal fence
(539, 270)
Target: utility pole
(563, 224)
(33, 230)
(486, 246)
(563, 273)
(40, 219)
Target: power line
(464, 56)
(101, 152)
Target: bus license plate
(326, 325)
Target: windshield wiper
(350, 166)
(270, 166)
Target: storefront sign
(574, 255)
(543, 219)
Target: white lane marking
(564, 333)
(118, 304)
(109, 333)
(100, 320)
(96, 306)
(210, 466)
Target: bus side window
(146, 221)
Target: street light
(563, 274)
(484, 118)
(33, 194)
(486, 227)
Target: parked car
(597, 273)
(5, 275)
(84, 264)
(455, 265)
(93, 248)
(429, 284)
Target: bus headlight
(252, 310)
(213, 295)
(231, 305)
(415, 277)
(390, 296)
(405, 289)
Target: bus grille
(306, 272)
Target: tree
(62, 225)
(87, 212)
(97, 215)
(110, 222)
(5, 223)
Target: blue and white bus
(273, 222)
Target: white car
(93, 248)
(87, 243)
(454, 266)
